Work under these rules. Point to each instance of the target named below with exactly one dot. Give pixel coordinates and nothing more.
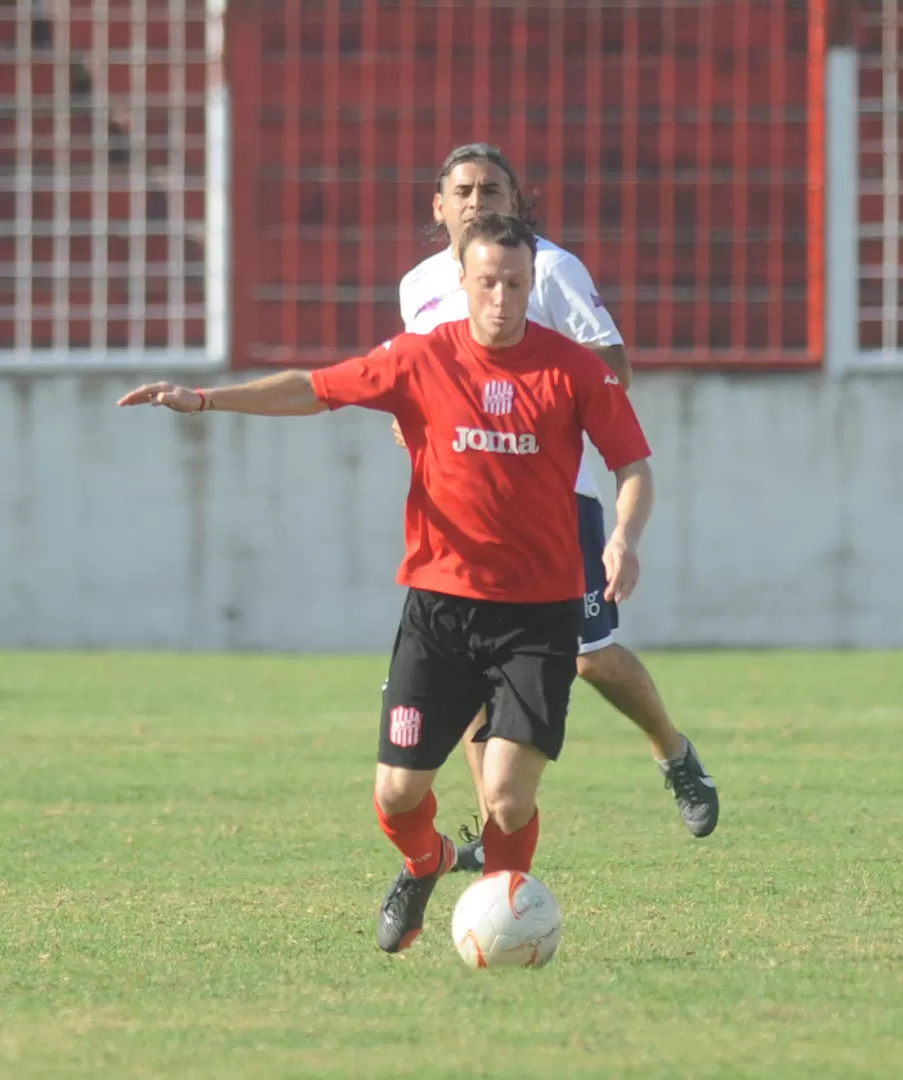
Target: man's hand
(622, 567)
(178, 398)
(399, 438)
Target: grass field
(190, 870)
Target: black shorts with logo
(453, 655)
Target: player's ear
(438, 214)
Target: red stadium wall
(676, 147)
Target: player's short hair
(490, 155)
(507, 230)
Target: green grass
(190, 869)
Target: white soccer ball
(506, 919)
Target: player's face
(471, 188)
(498, 281)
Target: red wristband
(203, 397)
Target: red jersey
(495, 438)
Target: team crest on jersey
(498, 397)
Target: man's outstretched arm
(288, 393)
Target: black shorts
(454, 655)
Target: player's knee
(510, 810)
(399, 790)
(599, 666)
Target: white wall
(779, 519)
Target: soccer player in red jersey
(493, 410)
(478, 178)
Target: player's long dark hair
(491, 155)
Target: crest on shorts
(498, 397)
(405, 726)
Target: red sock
(414, 834)
(510, 851)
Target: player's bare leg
(406, 809)
(475, 752)
(398, 791)
(470, 853)
(511, 775)
(622, 679)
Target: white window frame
(97, 357)
(843, 232)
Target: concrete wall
(779, 519)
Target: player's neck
(485, 341)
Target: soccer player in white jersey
(475, 179)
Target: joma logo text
(494, 442)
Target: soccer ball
(506, 919)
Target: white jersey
(564, 298)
